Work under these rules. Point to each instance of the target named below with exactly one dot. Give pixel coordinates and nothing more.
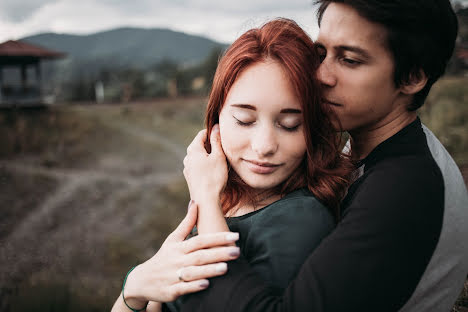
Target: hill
(129, 47)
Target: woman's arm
(206, 176)
(179, 267)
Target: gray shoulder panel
(443, 278)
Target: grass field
(87, 192)
(90, 190)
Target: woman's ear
(416, 82)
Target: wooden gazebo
(22, 55)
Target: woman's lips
(261, 167)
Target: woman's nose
(264, 142)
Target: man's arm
(372, 261)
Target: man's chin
(337, 124)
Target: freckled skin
(267, 135)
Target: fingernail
(232, 237)
(234, 252)
(204, 284)
(221, 267)
(215, 128)
(190, 204)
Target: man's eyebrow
(318, 45)
(354, 49)
(245, 106)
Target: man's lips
(331, 102)
(261, 167)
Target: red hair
(323, 170)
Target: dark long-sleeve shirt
(402, 243)
(275, 240)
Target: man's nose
(326, 74)
(264, 142)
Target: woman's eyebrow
(283, 111)
(246, 106)
(291, 111)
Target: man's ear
(416, 82)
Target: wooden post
(39, 79)
(1, 84)
(24, 77)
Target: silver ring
(179, 275)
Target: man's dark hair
(421, 36)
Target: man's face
(357, 70)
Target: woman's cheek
(225, 145)
(230, 138)
(294, 146)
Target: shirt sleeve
(281, 238)
(372, 261)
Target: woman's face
(261, 126)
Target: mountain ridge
(129, 46)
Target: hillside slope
(134, 47)
(87, 192)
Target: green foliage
(124, 84)
(138, 67)
(446, 114)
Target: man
(402, 242)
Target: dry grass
(90, 190)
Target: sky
(220, 20)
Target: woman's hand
(180, 266)
(206, 174)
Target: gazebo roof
(14, 48)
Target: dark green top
(277, 238)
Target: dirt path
(33, 242)
(150, 136)
(72, 180)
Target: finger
(213, 255)
(203, 241)
(215, 140)
(183, 288)
(198, 142)
(192, 273)
(187, 224)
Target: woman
(283, 166)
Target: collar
(409, 140)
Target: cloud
(218, 20)
(16, 11)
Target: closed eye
(351, 61)
(242, 123)
(290, 129)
